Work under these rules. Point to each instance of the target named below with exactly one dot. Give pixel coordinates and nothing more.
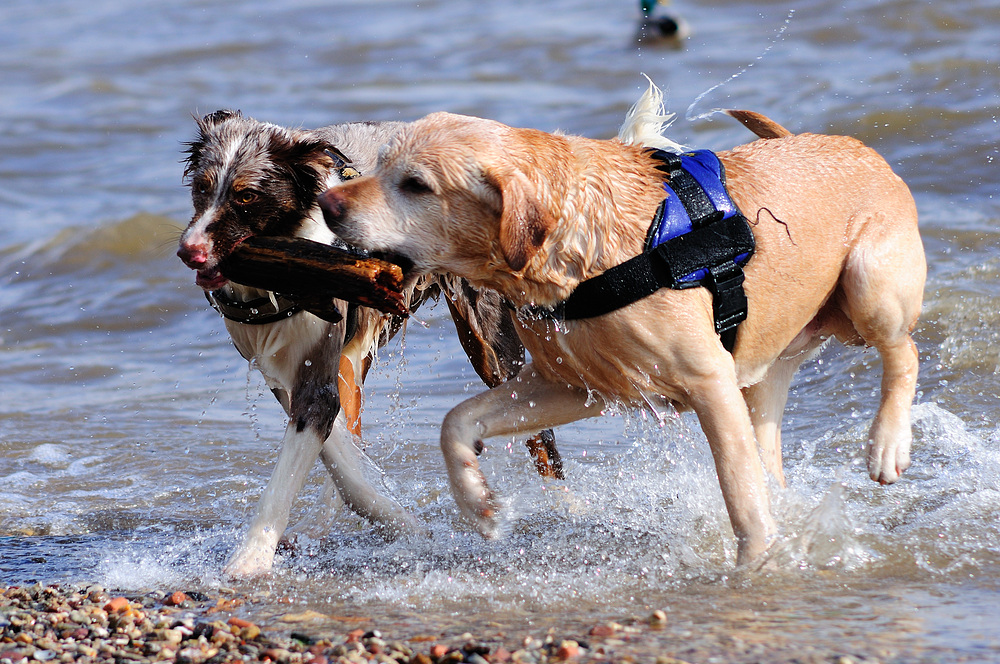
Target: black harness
(698, 237)
(276, 307)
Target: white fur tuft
(646, 120)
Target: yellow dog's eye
(246, 197)
(414, 185)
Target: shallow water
(135, 441)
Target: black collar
(256, 311)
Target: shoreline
(81, 623)
(89, 624)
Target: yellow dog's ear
(524, 223)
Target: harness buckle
(729, 300)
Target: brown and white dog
(251, 178)
(532, 214)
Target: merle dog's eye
(245, 197)
(414, 185)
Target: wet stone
(116, 605)
(46, 643)
(568, 650)
(453, 657)
(79, 617)
(177, 599)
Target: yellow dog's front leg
(716, 398)
(524, 404)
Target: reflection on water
(134, 442)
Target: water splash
(689, 114)
(169, 560)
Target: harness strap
(666, 266)
(729, 301)
(698, 238)
(700, 207)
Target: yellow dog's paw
(887, 462)
(477, 503)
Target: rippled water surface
(135, 441)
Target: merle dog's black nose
(334, 205)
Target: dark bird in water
(657, 26)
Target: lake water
(134, 441)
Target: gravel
(50, 623)
(88, 624)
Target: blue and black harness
(698, 237)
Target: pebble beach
(89, 624)
(135, 441)
(45, 623)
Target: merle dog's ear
(329, 158)
(524, 223)
(217, 118)
(205, 124)
(321, 155)
(308, 161)
(299, 150)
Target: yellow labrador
(533, 214)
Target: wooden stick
(315, 272)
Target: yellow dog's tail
(759, 124)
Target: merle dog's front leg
(313, 405)
(341, 457)
(299, 451)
